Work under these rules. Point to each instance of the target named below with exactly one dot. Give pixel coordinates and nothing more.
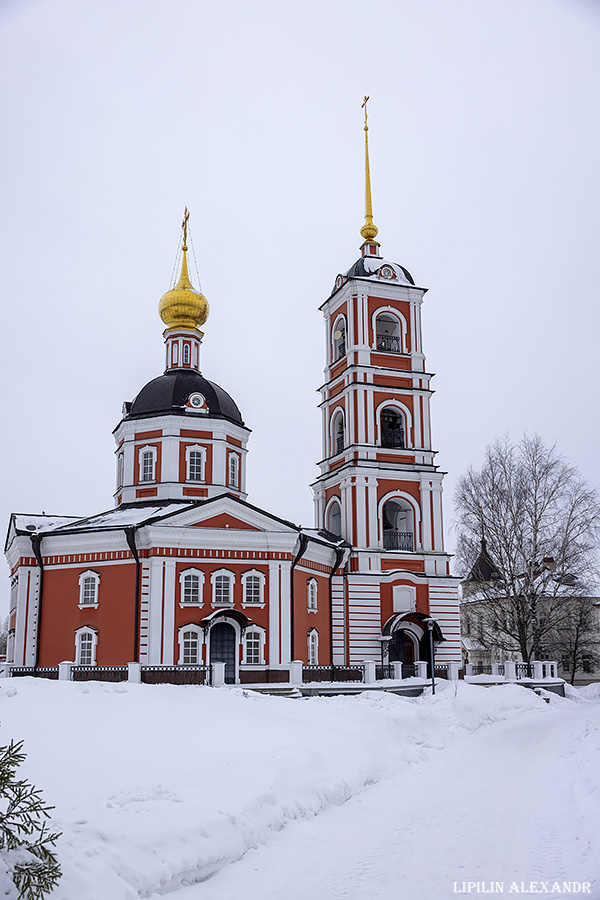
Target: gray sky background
(484, 156)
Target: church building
(184, 571)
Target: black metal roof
(168, 394)
(485, 569)
(359, 270)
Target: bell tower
(379, 487)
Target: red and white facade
(183, 570)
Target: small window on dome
(186, 354)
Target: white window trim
(200, 633)
(85, 629)
(313, 633)
(255, 574)
(89, 573)
(416, 510)
(402, 329)
(256, 629)
(213, 581)
(233, 457)
(338, 412)
(312, 582)
(339, 319)
(195, 448)
(147, 449)
(330, 503)
(120, 470)
(200, 574)
(401, 408)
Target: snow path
(508, 802)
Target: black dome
(168, 394)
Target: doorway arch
(223, 648)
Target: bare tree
(541, 523)
(577, 643)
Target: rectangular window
(252, 592)
(85, 649)
(222, 589)
(233, 470)
(88, 596)
(195, 466)
(147, 466)
(190, 648)
(191, 589)
(253, 648)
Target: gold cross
(364, 106)
(186, 216)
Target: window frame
(199, 574)
(83, 577)
(88, 632)
(312, 594)
(339, 345)
(142, 451)
(312, 640)
(261, 637)
(215, 576)
(199, 632)
(195, 448)
(233, 460)
(253, 573)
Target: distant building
(184, 570)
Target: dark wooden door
(223, 648)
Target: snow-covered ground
(213, 794)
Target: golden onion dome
(183, 306)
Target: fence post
(453, 670)
(495, 669)
(218, 674)
(5, 670)
(134, 673)
(64, 671)
(538, 673)
(510, 670)
(552, 668)
(469, 668)
(369, 671)
(421, 669)
(296, 672)
(397, 668)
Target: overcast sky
(484, 158)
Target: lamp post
(430, 624)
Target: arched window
(392, 428)
(253, 647)
(195, 459)
(120, 470)
(88, 588)
(388, 334)
(339, 338)
(147, 461)
(186, 354)
(254, 583)
(313, 647)
(86, 641)
(233, 470)
(311, 599)
(190, 648)
(398, 525)
(334, 518)
(190, 645)
(338, 432)
(191, 581)
(222, 582)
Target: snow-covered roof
(122, 517)
(40, 523)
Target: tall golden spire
(369, 230)
(183, 306)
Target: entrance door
(402, 647)
(223, 648)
